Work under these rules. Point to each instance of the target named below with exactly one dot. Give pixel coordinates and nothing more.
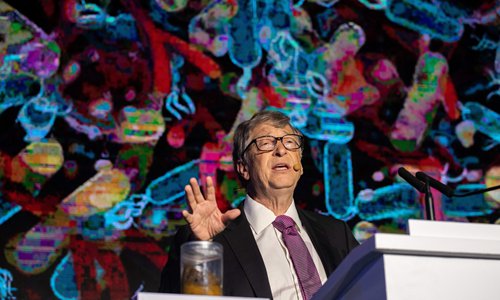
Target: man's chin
(283, 185)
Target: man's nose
(280, 148)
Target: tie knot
(285, 224)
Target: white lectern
(160, 296)
(436, 260)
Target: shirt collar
(260, 216)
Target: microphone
(406, 175)
(443, 188)
(422, 187)
(296, 167)
(448, 191)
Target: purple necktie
(301, 258)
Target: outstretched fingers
(195, 187)
(190, 197)
(230, 215)
(195, 197)
(210, 189)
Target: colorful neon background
(108, 107)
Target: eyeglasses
(269, 142)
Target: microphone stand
(430, 213)
(423, 186)
(423, 183)
(492, 188)
(444, 189)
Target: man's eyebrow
(269, 134)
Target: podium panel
(162, 296)
(418, 277)
(438, 260)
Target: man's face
(273, 170)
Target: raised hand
(206, 220)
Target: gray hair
(242, 134)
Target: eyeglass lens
(290, 141)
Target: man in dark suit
(272, 249)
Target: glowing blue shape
(99, 271)
(83, 124)
(121, 27)
(381, 4)
(337, 172)
(273, 18)
(474, 205)
(5, 284)
(243, 46)
(393, 201)
(244, 49)
(7, 210)
(236, 202)
(63, 280)
(51, 89)
(163, 190)
(289, 71)
(103, 106)
(121, 215)
(485, 120)
(170, 187)
(328, 126)
(242, 84)
(8, 102)
(90, 16)
(157, 217)
(300, 2)
(327, 3)
(424, 17)
(37, 117)
(14, 90)
(93, 228)
(278, 14)
(161, 17)
(12, 57)
(190, 109)
(462, 14)
(173, 97)
(317, 85)
(325, 21)
(296, 109)
(172, 103)
(289, 60)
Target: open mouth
(281, 167)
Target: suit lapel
(328, 253)
(241, 240)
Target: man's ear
(243, 170)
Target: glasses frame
(276, 139)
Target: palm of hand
(206, 221)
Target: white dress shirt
(280, 272)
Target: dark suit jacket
(244, 270)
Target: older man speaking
(272, 249)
